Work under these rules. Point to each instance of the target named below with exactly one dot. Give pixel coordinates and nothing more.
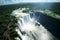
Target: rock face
(53, 25)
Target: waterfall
(30, 28)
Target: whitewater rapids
(30, 27)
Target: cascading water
(30, 27)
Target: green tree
(7, 26)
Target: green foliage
(7, 26)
